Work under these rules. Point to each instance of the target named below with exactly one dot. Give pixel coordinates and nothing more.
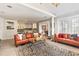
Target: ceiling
(22, 13)
(63, 9)
(34, 12)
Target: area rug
(39, 48)
(42, 48)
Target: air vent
(9, 6)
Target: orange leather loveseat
(19, 41)
(65, 38)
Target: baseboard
(6, 39)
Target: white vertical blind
(67, 25)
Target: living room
(45, 27)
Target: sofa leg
(16, 45)
(55, 40)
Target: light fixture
(56, 4)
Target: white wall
(42, 23)
(67, 25)
(4, 33)
(9, 34)
(1, 27)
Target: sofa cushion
(23, 36)
(60, 36)
(29, 35)
(22, 42)
(77, 39)
(65, 36)
(68, 36)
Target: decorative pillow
(77, 35)
(23, 37)
(42, 36)
(73, 36)
(60, 36)
(20, 36)
(65, 36)
(36, 35)
(38, 38)
(17, 37)
(68, 36)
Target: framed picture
(43, 27)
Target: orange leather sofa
(30, 37)
(18, 41)
(64, 38)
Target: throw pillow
(23, 37)
(20, 36)
(60, 35)
(29, 35)
(36, 35)
(65, 36)
(73, 36)
(77, 35)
